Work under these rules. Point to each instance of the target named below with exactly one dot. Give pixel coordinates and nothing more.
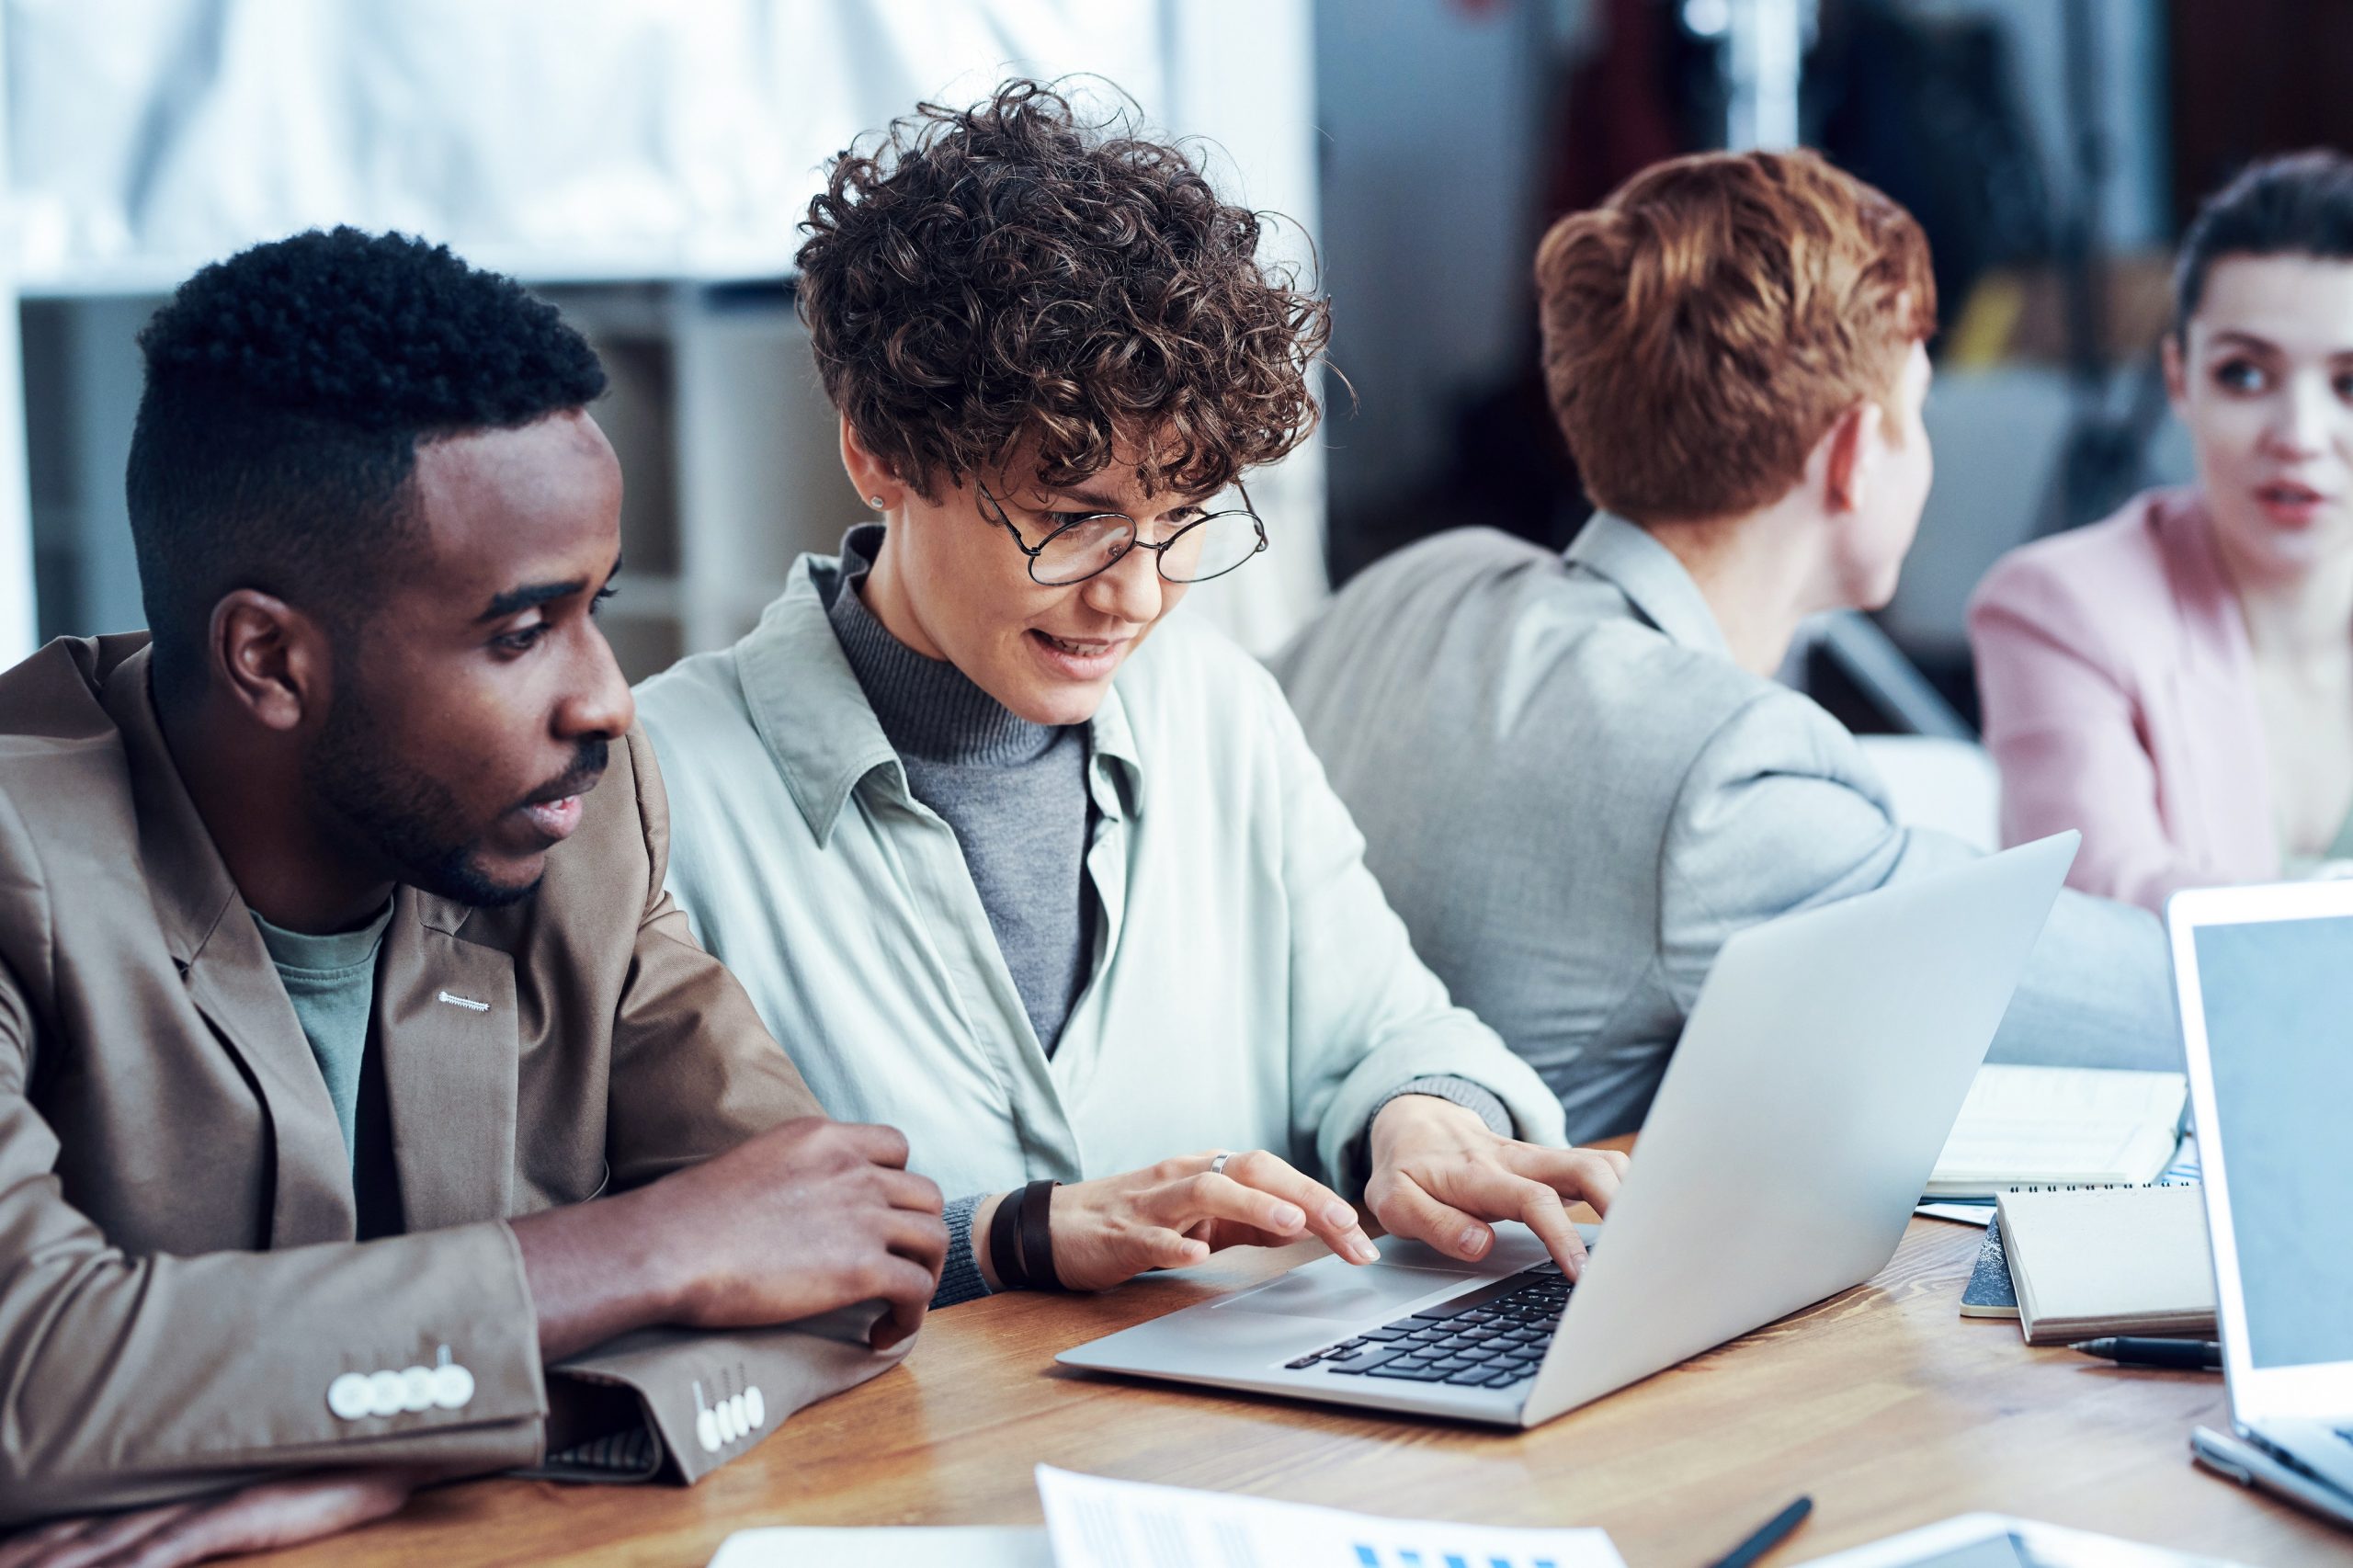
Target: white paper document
(1995, 1540)
(2030, 1126)
(1098, 1523)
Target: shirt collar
(1630, 558)
(814, 717)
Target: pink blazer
(2119, 698)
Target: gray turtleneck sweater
(1015, 793)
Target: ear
(877, 485)
(2176, 370)
(274, 662)
(1849, 453)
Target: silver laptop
(2265, 979)
(1805, 1104)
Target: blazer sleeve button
(453, 1386)
(384, 1393)
(350, 1397)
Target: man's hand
(1178, 1212)
(805, 1218)
(1438, 1174)
(256, 1519)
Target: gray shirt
(331, 980)
(1573, 795)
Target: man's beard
(410, 819)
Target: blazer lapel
(230, 978)
(2213, 694)
(450, 1039)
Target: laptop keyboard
(1487, 1338)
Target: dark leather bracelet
(1038, 1236)
(1004, 1247)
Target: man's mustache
(578, 779)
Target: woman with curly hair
(1013, 860)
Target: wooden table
(1883, 1403)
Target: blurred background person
(2177, 679)
(1576, 775)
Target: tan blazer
(182, 1302)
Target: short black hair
(288, 390)
(2296, 204)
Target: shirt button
(453, 1386)
(386, 1393)
(349, 1396)
(756, 1409)
(736, 1412)
(707, 1431)
(417, 1389)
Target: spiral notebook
(2119, 1260)
(2060, 1126)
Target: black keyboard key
(1471, 1376)
(1302, 1361)
(1385, 1336)
(1362, 1362)
(1408, 1374)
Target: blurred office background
(645, 163)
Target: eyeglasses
(1090, 545)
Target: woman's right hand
(1175, 1213)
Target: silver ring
(1217, 1163)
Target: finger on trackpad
(1328, 1293)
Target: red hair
(1707, 325)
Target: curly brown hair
(1010, 273)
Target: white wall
(661, 143)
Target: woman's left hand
(1438, 1175)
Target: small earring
(875, 502)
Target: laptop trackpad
(1345, 1292)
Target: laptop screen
(2278, 1005)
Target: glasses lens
(1083, 548)
(1212, 548)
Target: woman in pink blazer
(2177, 680)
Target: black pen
(2181, 1354)
(1769, 1535)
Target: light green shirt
(1247, 987)
(331, 980)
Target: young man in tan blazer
(352, 1133)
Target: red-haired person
(1000, 841)
(1576, 775)
(2177, 680)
